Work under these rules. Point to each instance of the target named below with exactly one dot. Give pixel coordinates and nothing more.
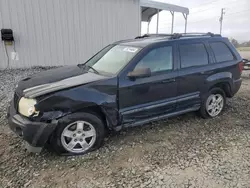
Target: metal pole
(157, 21)
(221, 19)
(185, 16)
(172, 27)
(148, 27)
(186, 24)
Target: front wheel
(213, 103)
(78, 133)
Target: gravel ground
(186, 151)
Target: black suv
(128, 83)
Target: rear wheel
(79, 133)
(213, 103)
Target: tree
(245, 44)
(235, 42)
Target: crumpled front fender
(76, 99)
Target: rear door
(194, 60)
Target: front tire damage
(78, 134)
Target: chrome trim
(162, 117)
(148, 107)
(162, 103)
(62, 84)
(188, 98)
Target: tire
(206, 104)
(85, 131)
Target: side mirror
(140, 73)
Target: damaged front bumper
(35, 134)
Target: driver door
(145, 98)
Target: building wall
(65, 32)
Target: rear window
(221, 51)
(193, 55)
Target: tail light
(241, 66)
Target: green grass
(243, 49)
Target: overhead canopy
(149, 8)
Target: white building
(64, 32)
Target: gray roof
(150, 8)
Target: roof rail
(153, 35)
(179, 35)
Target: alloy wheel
(78, 137)
(214, 104)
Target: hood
(54, 80)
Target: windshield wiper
(92, 69)
(82, 65)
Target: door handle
(168, 80)
(207, 72)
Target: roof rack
(153, 35)
(179, 35)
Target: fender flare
(223, 78)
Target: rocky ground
(186, 151)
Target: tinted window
(193, 55)
(159, 59)
(221, 52)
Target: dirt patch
(185, 151)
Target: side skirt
(195, 108)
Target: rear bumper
(236, 86)
(35, 134)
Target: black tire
(203, 110)
(94, 120)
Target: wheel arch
(98, 111)
(225, 86)
(223, 80)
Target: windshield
(112, 59)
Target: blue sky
(204, 16)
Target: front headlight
(26, 107)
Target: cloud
(204, 16)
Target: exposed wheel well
(96, 110)
(225, 87)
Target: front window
(112, 59)
(157, 60)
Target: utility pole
(221, 18)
